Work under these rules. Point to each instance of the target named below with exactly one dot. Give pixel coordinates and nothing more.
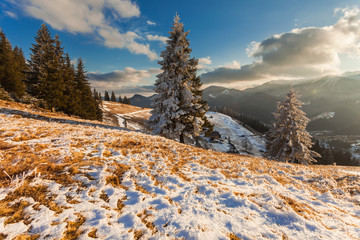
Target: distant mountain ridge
(337, 94)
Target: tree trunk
(181, 137)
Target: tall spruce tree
(178, 110)
(113, 98)
(89, 105)
(21, 69)
(71, 93)
(288, 139)
(45, 79)
(12, 67)
(106, 96)
(126, 100)
(120, 99)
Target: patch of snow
(351, 172)
(243, 140)
(212, 96)
(325, 115)
(226, 91)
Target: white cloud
(302, 52)
(88, 16)
(233, 65)
(204, 62)
(157, 38)
(151, 23)
(10, 14)
(121, 79)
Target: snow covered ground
(325, 115)
(242, 139)
(128, 116)
(69, 178)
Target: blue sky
(239, 43)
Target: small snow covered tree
(288, 140)
(178, 108)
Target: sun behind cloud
(299, 53)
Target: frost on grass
(63, 177)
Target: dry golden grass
(2, 236)
(13, 211)
(104, 196)
(71, 200)
(141, 188)
(27, 237)
(5, 145)
(92, 233)
(138, 234)
(73, 230)
(144, 217)
(116, 175)
(120, 108)
(232, 236)
(40, 195)
(120, 203)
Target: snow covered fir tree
(288, 140)
(179, 110)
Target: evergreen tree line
(48, 75)
(254, 123)
(124, 100)
(12, 68)
(334, 152)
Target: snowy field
(69, 178)
(243, 140)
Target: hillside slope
(243, 140)
(127, 116)
(62, 177)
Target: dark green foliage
(53, 78)
(4, 95)
(334, 152)
(12, 68)
(247, 121)
(253, 123)
(98, 101)
(71, 95)
(89, 105)
(45, 80)
(126, 100)
(120, 99)
(106, 97)
(113, 98)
